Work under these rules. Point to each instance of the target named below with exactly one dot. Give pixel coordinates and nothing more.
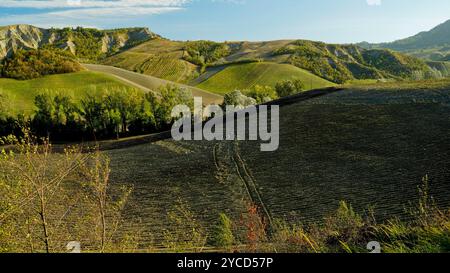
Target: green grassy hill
(150, 83)
(368, 145)
(20, 94)
(244, 76)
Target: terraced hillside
(20, 94)
(159, 58)
(244, 76)
(368, 145)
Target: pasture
(149, 83)
(20, 95)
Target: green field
(20, 94)
(244, 76)
(368, 145)
(150, 83)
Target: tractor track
(250, 184)
(235, 165)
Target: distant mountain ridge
(84, 43)
(432, 45)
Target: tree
(57, 116)
(43, 119)
(236, 98)
(144, 120)
(169, 97)
(288, 88)
(124, 104)
(262, 94)
(115, 113)
(93, 110)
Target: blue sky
(338, 21)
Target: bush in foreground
(48, 200)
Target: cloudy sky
(337, 21)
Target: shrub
(50, 199)
(222, 234)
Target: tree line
(113, 114)
(261, 94)
(120, 113)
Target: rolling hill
(244, 76)
(20, 94)
(363, 144)
(149, 83)
(140, 50)
(172, 60)
(342, 63)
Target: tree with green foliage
(288, 88)
(125, 104)
(111, 114)
(57, 115)
(236, 98)
(169, 97)
(261, 94)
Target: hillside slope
(85, 43)
(185, 61)
(245, 76)
(20, 94)
(341, 63)
(149, 83)
(369, 146)
(433, 44)
(159, 58)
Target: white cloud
(108, 12)
(46, 4)
(373, 2)
(82, 12)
